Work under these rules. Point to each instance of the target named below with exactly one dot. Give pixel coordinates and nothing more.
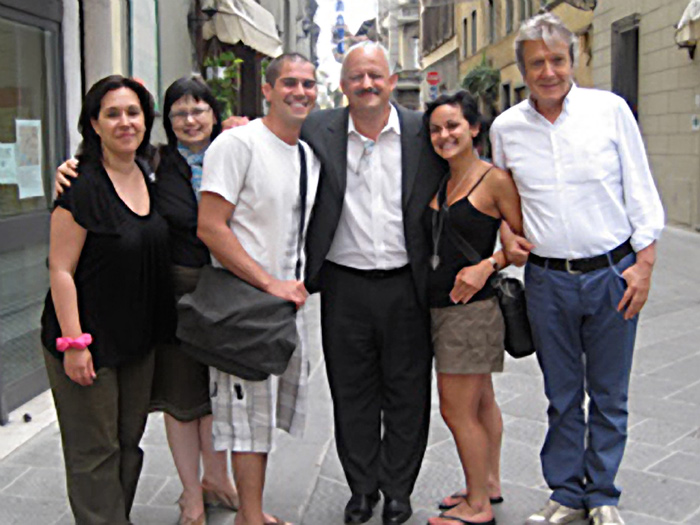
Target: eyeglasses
(291, 82)
(195, 113)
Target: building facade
(630, 47)
(636, 54)
(440, 54)
(399, 31)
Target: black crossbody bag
(237, 328)
(509, 290)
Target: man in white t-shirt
(248, 217)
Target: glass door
(30, 144)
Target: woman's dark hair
(91, 146)
(197, 89)
(463, 100)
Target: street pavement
(660, 474)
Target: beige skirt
(468, 338)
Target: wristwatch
(494, 263)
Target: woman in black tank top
(467, 325)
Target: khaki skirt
(468, 338)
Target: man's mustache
(370, 90)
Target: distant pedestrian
(110, 302)
(593, 215)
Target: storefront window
(30, 102)
(24, 120)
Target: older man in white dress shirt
(593, 215)
(368, 252)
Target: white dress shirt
(584, 181)
(370, 234)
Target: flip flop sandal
(215, 498)
(277, 521)
(445, 506)
(444, 516)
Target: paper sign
(8, 166)
(28, 158)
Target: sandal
(187, 520)
(219, 499)
(461, 494)
(444, 516)
(277, 521)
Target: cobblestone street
(660, 474)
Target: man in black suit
(367, 252)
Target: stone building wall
(669, 98)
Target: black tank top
(478, 229)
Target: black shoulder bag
(231, 325)
(509, 290)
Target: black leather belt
(588, 264)
(371, 274)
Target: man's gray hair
(547, 27)
(367, 45)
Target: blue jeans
(582, 342)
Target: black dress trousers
(378, 357)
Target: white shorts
(243, 412)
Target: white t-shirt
(258, 173)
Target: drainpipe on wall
(288, 36)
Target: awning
(688, 29)
(691, 14)
(243, 21)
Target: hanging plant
(483, 82)
(224, 79)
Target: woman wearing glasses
(466, 322)
(191, 120)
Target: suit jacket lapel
(337, 142)
(410, 154)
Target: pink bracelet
(79, 343)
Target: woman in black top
(110, 302)
(467, 325)
(192, 119)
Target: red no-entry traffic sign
(432, 78)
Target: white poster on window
(8, 165)
(28, 158)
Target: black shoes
(396, 511)
(360, 506)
